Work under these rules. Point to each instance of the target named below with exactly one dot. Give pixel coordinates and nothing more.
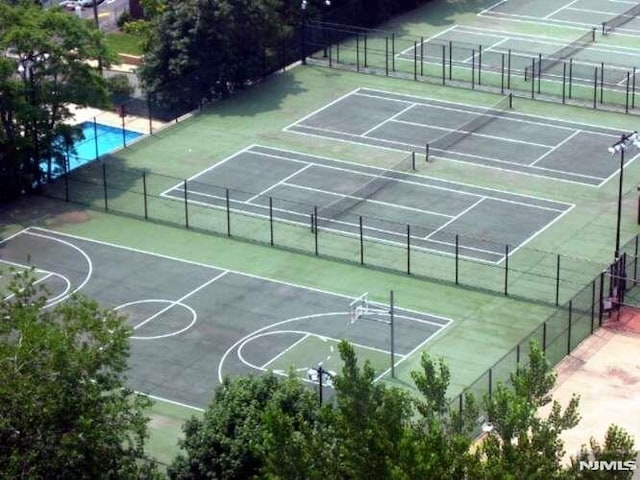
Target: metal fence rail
(369, 241)
(567, 326)
(465, 65)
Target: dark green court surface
(570, 13)
(444, 217)
(497, 137)
(193, 324)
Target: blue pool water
(109, 139)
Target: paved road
(108, 12)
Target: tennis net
(561, 55)
(478, 121)
(364, 191)
(623, 18)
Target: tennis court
(445, 217)
(495, 137)
(194, 323)
(467, 47)
(620, 15)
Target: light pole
(626, 141)
(303, 7)
(322, 376)
(327, 4)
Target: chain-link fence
(567, 326)
(551, 76)
(362, 237)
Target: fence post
(633, 89)
(271, 220)
(361, 241)
(626, 101)
(457, 258)
(364, 40)
(149, 113)
(479, 64)
(595, 87)
(564, 81)
(601, 82)
(393, 51)
(517, 356)
(144, 195)
(315, 230)
(601, 299)
(539, 71)
(544, 337)
(593, 303)
(450, 60)
(186, 206)
(422, 55)
(502, 76)
(473, 68)
(558, 280)
(104, 186)
(533, 77)
(569, 333)
(228, 213)
(509, 70)
(506, 270)
(415, 60)
(357, 52)
(408, 249)
(570, 76)
(444, 64)
(490, 382)
(95, 137)
(635, 262)
(386, 56)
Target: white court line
(14, 235)
(438, 187)
(369, 200)
(390, 119)
(79, 250)
(355, 226)
(285, 351)
(427, 40)
(570, 137)
(213, 267)
(249, 200)
(463, 212)
(500, 42)
(208, 169)
(491, 7)
(339, 99)
(475, 109)
(474, 134)
(560, 9)
(171, 402)
(180, 300)
(411, 352)
(39, 280)
(473, 156)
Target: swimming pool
(88, 149)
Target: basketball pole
(393, 367)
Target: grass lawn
(124, 43)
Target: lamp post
(322, 376)
(303, 7)
(626, 141)
(327, 4)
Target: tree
(247, 416)
(618, 446)
(522, 444)
(46, 66)
(66, 411)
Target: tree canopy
(66, 411)
(46, 65)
